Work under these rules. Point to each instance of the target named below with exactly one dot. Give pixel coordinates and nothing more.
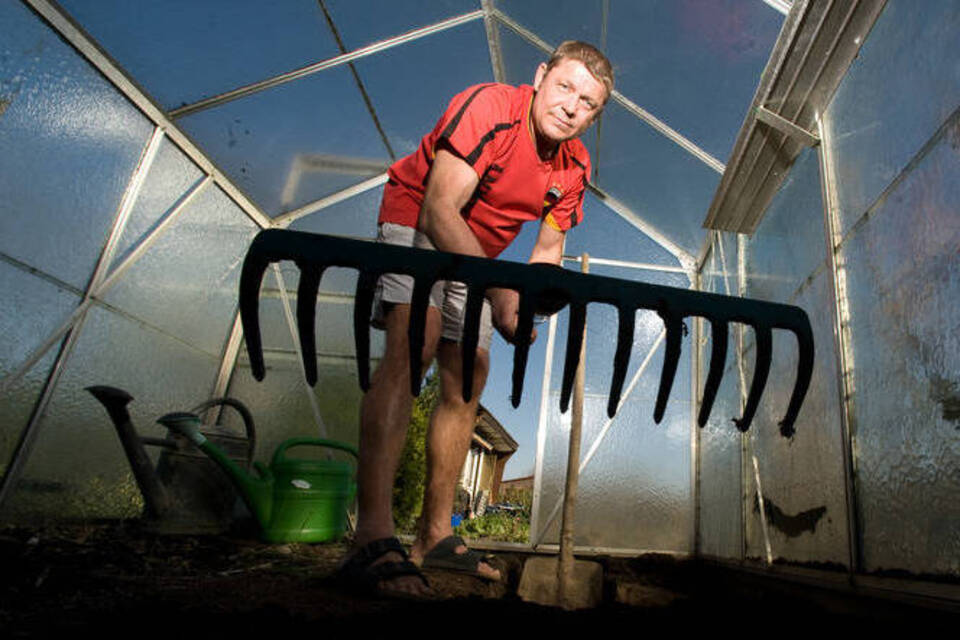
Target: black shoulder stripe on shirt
(578, 163)
(452, 126)
(487, 137)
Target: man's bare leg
(448, 440)
(384, 417)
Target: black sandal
(360, 574)
(444, 557)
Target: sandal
(360, 574)
(444, 556)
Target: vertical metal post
(842, 347)
(566, 562)
(695, 383)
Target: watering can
(294, 500)
(186, 492)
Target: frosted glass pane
(257, 140)
(187, 283)
(70, 143)
(171, 176)
(32, 309)
(199, 49)
(904, 283)
(659, 181)
(903, 85)
(281, 407)
(279, 403)
(694, 65)
(356, 216)
(802, 478)
(721, 504)
(19, 399)
(457, 58)
(77, 468)
(790, 243)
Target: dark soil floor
(116, 579)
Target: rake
(540, 287)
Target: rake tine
(362, 307)
(310, 275)
(470, 338)
(621, 358)
(671, 358)
(578, 320)
(251, 277)
(760, 373)
(521, 341)
(718, 359)
(416, 329)
(804, 373)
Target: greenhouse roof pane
(181, 51)
(558, 20)
(694, 65)
(408, 100)
(257, 139)
(361, 22)
(659, 181)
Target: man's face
(567, 101)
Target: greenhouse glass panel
(355, 217)
(408, 101)
(636, 488)
(520, 58)
(170, 178)
(362, 22)
(557, 21)
(187, 283)
(901, 88)
(904, 282)
(77, 142)
(605, 234)
(78, 469)
(200, 49)
(720, 443)
(658, 180)
(280, 403)
(694, 65)
(271, 143)
(20, 398)
(802, 479)
(33, 309)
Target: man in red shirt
(500, 156)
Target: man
(500, 156)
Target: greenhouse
(802, 153)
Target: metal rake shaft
(537, 285)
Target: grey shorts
(447, 296)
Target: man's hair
(591, 57)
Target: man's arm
(451, 183)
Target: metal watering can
(294, 500)
(187, 492)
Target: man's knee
(451, 374)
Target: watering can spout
(257, 493)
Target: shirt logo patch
(553, 195)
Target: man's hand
(506, 308)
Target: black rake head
(539, 286)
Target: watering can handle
(319, 442)
(244, 413)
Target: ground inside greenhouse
(118, 579)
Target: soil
(116, 578)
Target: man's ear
(539, 75)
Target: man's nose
(570, 105)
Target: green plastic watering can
(294, 500)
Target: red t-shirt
(486, 126)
